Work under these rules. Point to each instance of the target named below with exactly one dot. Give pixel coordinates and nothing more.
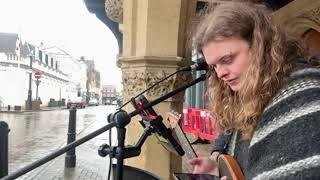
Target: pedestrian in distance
(264, 93)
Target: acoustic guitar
(227, 165)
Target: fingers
(194, 161)
(195, 171)
(223, 178)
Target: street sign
(37, 75)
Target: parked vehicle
(77, 102)
(107, 102)
(93, 102)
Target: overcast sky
(66, 24)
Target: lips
(231, 81)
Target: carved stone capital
(142, 72)
(300, 16)
(136, 81)
(306, 20)
(114, 10)
(313, 15)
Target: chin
(235, 88)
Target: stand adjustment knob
(104, 150)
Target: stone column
(154, 46)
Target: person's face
(230, 58)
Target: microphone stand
(122, 118)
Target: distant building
(93, 84)
(60, 79)
(109, 94)
(77, 73)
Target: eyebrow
(224, 56)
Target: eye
(227, 59)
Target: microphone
(198, 66)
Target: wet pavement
(34, 135)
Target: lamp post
(37, 75)
(29, 100)
(37, 83)
(78, 90)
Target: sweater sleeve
(286, 141)
(220, 144)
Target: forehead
(216, 49)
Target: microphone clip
(200, 65)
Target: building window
(51, 62)
(40, 56)
(47, 59)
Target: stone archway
(303, 19)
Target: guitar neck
(182, 138)
(229, 167)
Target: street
(34, 135)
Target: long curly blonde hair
(273, 54)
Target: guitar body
(229, 167)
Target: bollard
(70, 160)
(4, 131)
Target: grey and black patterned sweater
(286, 141)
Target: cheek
(237, 69)
(243, 68)
(242, 65)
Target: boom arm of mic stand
(170, 94)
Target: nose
(221, 71)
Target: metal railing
(70, 159)
(4, 131)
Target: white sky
(66, 24)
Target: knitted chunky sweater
(286, 141)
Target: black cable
(150, 87)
